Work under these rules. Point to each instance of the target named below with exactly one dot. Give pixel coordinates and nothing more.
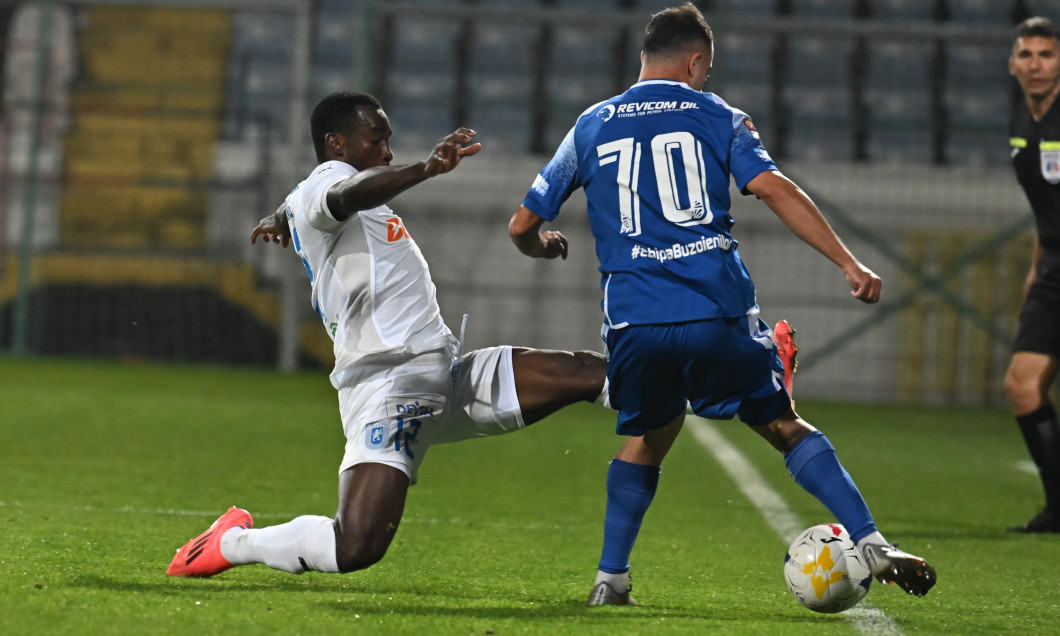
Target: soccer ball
(825, 570)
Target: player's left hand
(450, 150)
(864, 284)
(553, 244)
(273, 228)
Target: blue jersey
(655, 164)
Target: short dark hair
(675, 29)
(337, 113)
(1037, 27)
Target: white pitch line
(1027, 466)
(865, 618)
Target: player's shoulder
(326, 174)
(332, 170)
(720, 104)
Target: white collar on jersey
(662, 81)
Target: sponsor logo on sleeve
(395, 230)
(540, 185)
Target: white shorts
(394, 414)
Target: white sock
(875, 538)
(618, 582)
(304, 543)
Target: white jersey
(371, 285)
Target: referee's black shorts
(1039, 328)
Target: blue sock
(630, 489)
(814, 465)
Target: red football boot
(784, 338)
(202, 555)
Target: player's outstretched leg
(202, 555)
(815, 466)
(891, 565)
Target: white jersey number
(669, 171)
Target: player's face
(368, 146)
(1035, 63)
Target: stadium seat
(492, 47)
(831, 9)
(753, 99)
(580, 48)
(900, 65)
(425, 44)
(816, 140)
(897, 106)
(504, 127)
(327, 80)
(1042, 7)
(979, 108)
(739, 57)
(816, 61)
(418, 124)
(751, 7)
(979, 146)
(828, 103)
(903, 9)
(989, 12)
(901, 145)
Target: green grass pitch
(107, 468)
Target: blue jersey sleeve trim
(743, 186)
(556, 181)
(748, 158)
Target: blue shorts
(722, 366)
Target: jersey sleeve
(316, 198)
(556, 181)
(747, 157)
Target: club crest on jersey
(1051, 166)
(377, 436)
(395, 230)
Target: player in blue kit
(681, 322)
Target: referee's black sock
(1042, 434)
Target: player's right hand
(553, 244)
(864, 284)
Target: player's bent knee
(1023, 395)
(359, 555)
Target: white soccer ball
(825, 570)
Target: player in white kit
(403, 385)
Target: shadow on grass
(427, 601)
(574, 611)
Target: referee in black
(1035, 138)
